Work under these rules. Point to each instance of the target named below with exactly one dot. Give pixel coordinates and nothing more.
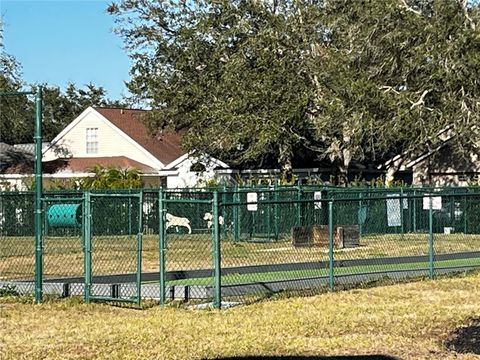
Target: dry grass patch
(410, 321)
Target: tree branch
(420, 101)
(408, 8)
(463, 4)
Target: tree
(15, 111)
(60, 108)
(234, 73)
(342, 80)
(417, 66)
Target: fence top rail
(51, 199)
(188, 201)
(337, 200)
(331, 192)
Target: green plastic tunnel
(64, 215)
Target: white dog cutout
(208, 217)
(177, 221)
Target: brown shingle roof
(165, 147)
(80, 164)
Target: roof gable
(166, 147)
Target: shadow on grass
(466, 339)
(294, 357)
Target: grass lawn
(410, 321)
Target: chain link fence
(233, 244)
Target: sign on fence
(394, 217)
(317, 196)
(252, 201)
(436, 202)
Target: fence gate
(113, 247)
(63, 242)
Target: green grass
(409, 321)
(299, 274)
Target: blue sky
(65, 41)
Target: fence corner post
(87, 229)
(217, 300)
(161, 244)
(430, 238)
(330, 246)
(38, 198)
(139, 247)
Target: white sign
(394, 217)
(252, 201)
(317, 196)
(436, 202)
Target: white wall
(111, 142)
(187, 178)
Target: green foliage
(112, 178)
(62, 184)
(281, 83)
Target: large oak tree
(256, 80)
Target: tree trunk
(392, 170)
(342, 178)
(285, 160)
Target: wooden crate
(344, 236)
(302, 236)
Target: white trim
(69, 127)
(424, 156)
(211, 160)
(131, 141)
(168, 173)
(91, 110)
(438, 135)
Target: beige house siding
(447, 168)
(111, 141)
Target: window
(92, 140)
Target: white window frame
(91, 140)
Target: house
(17, 164)
(114, 137)
(441, 164)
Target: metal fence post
(414, 211)
(88, 246)
(299, 208)
(224, 212)
(161, 245)
(38, 198)
(139, 246)
(330, 246)
(430, 239)
(236, 215)
(276, 215)
(217, 300)
(360, 213)
(401, 212)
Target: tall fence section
(232, 244)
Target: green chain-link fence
(234, 244)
